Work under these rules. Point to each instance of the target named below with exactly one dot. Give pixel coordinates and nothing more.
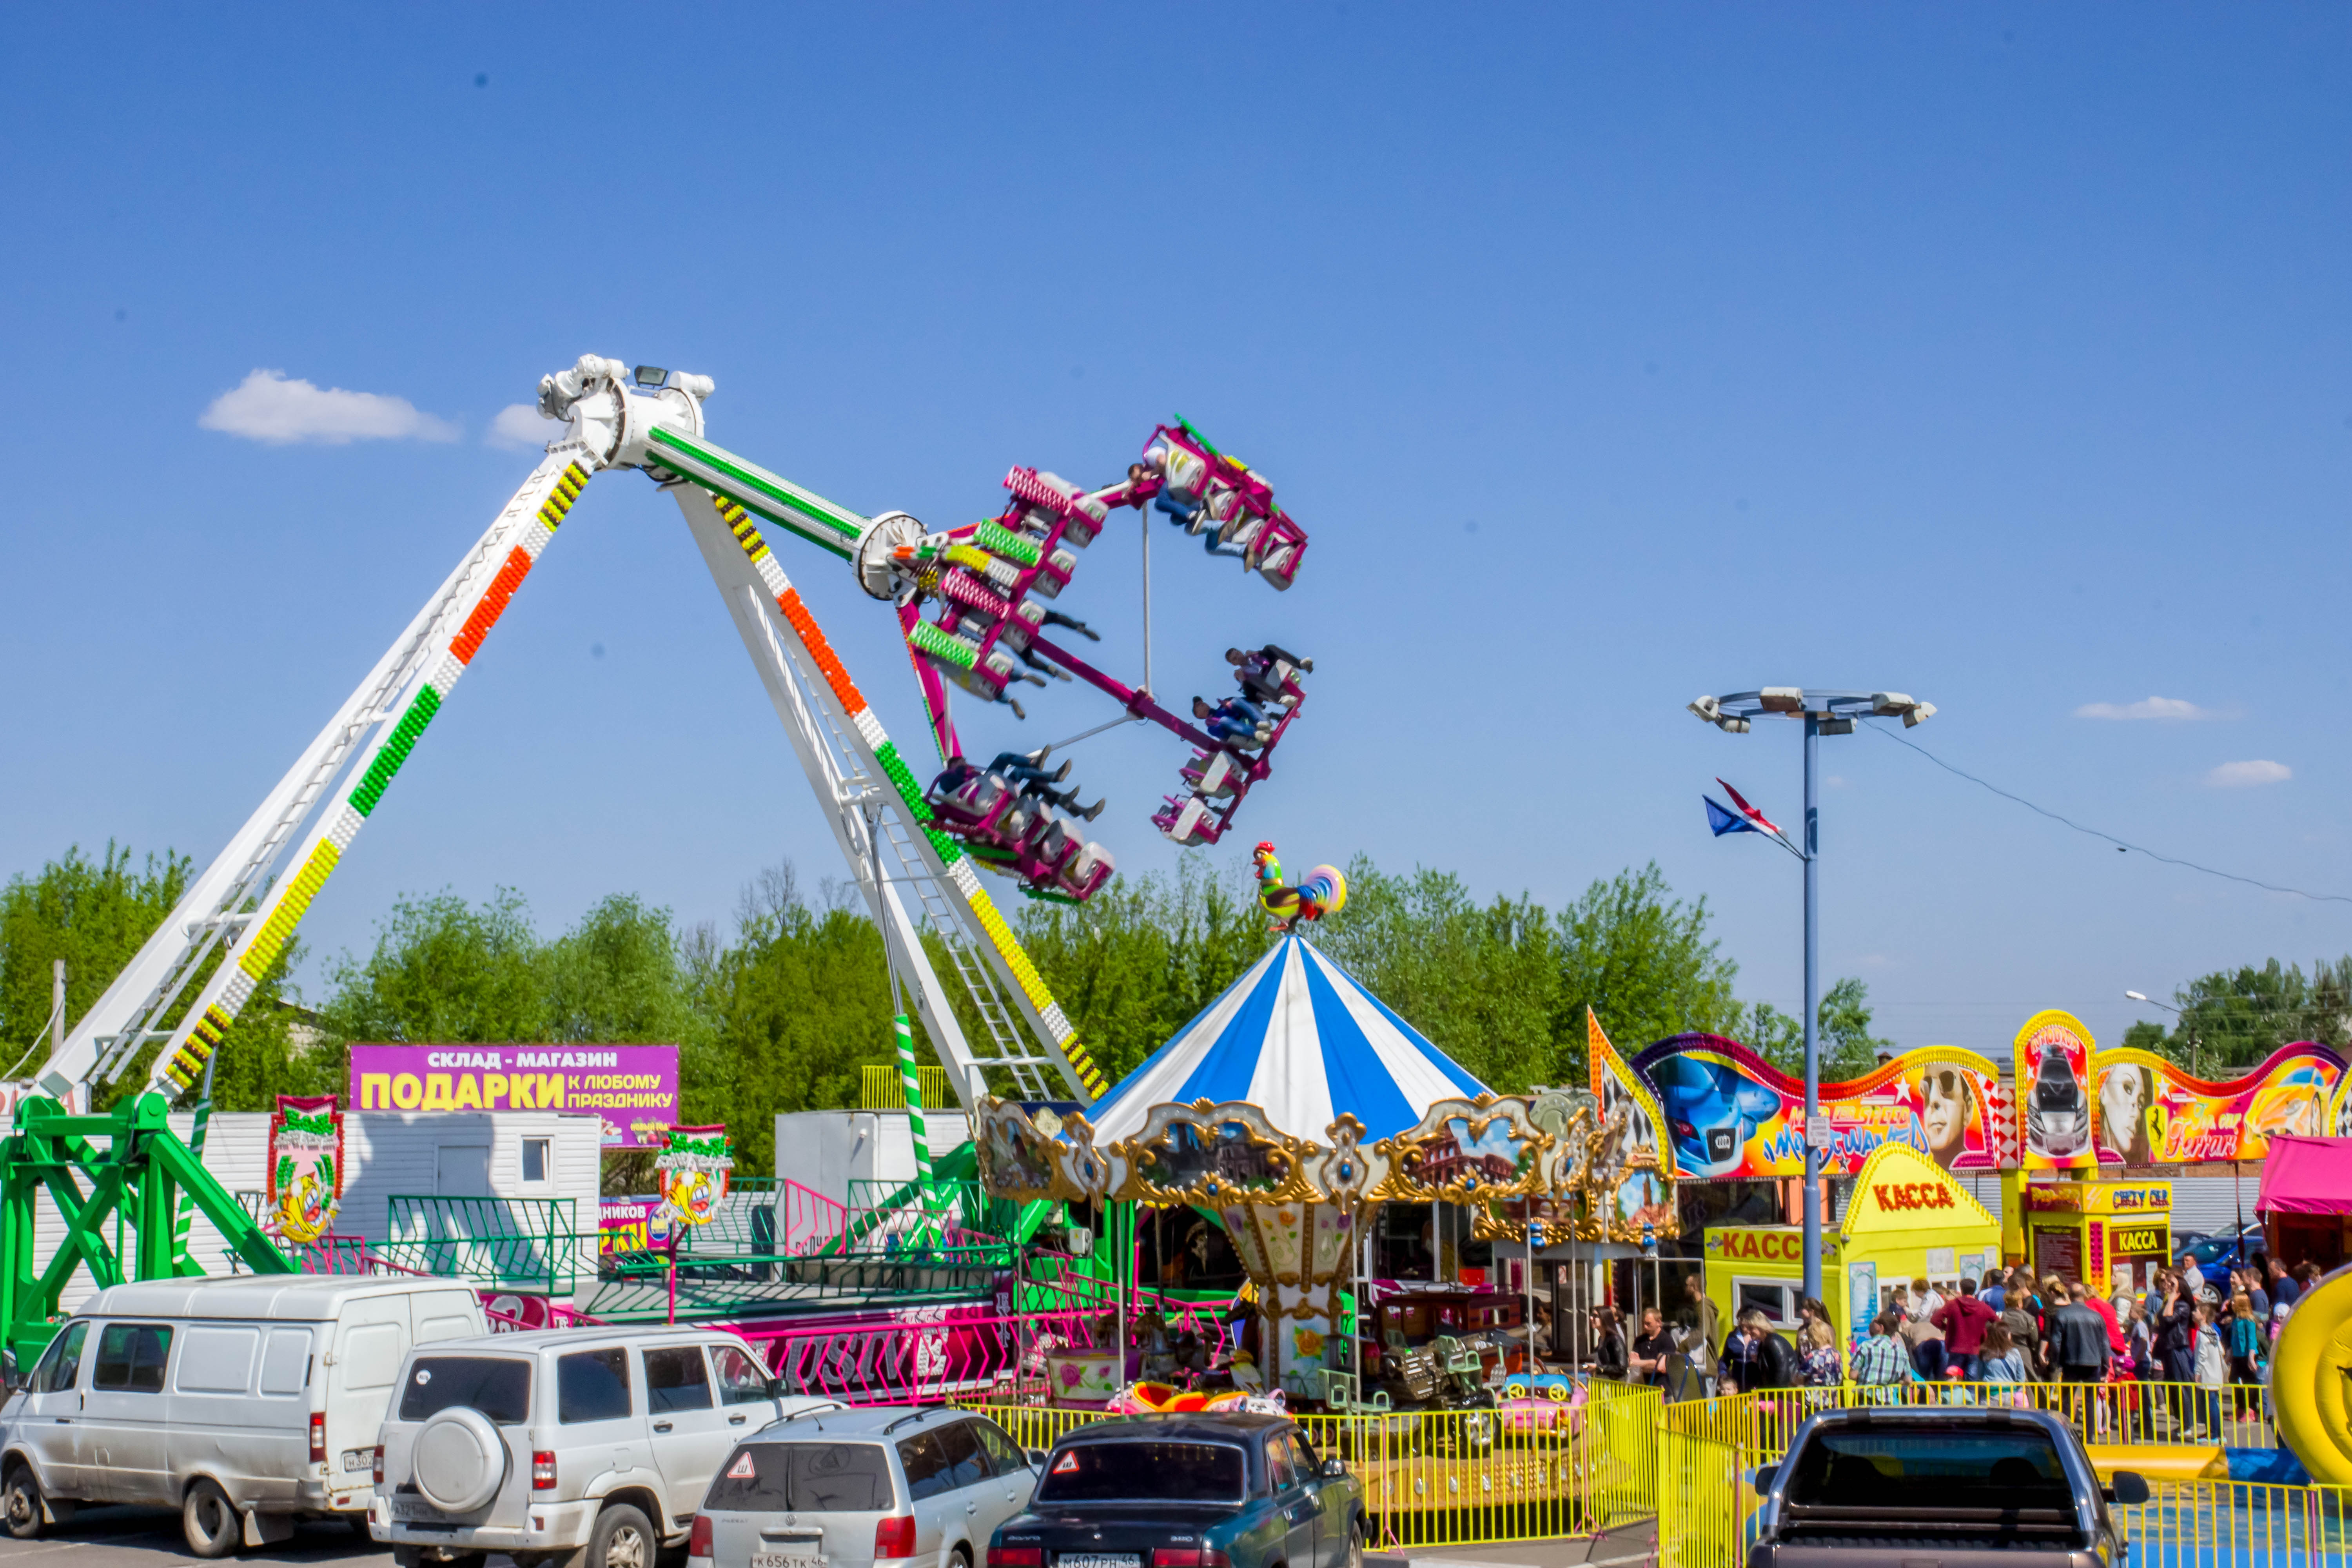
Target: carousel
(1292, 1110)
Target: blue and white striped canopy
(1299, 1040)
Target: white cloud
(2241, 776)
(265, 407)
(2147, 708)
(520, 424)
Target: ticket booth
(1906, 1220)
(2109, 1234)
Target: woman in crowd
(1609, 1353)
(1819, 1368)
(2001, 1360)
(2246, 1347)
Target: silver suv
(591, 1445)
(845, 1489)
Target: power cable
(2096, 833)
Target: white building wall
(824, 1150)
(386, 1153)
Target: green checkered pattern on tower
(903, 777)
(396, 747)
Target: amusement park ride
(914, 848)
(974, 604)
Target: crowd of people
(2005, 1329)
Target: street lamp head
(2135, 995)
(1892, 704)
(1708, 709)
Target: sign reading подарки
(632, 1087)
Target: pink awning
(2307, 1175)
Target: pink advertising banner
(632, 1087)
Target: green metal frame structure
(125, 1167)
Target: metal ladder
(1037, 1075)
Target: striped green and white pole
(912, 1089)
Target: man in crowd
(1963, 1320)
(2283, 1286)
(1651, 1346)
(1991, 1292)
(2078, 1339)
(1882, 1358)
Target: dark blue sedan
(1187, 1491)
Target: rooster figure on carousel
(1322, 891)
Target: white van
(242, 1401)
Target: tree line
(782, 1009)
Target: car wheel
(209, 1521)
(1356, 1547)
(20, 1504)
(624, 1537)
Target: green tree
(1642, 960)
(2232, 1019)
(1481, 981)
(1848, 1049)
(445, 970)
(1131, 965)
(798, 1004)
(94, 914)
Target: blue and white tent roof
(1297, 1037)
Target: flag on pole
(1722, 819)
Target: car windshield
(497, 1386)
(809, 1478)
(2209, 1249)
(1949, 1467)
(1143, 1472)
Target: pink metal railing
(811, 1220)
(508, 1311)
(936, 1352)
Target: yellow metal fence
(1456, 1478)
(878, 1088)
(1460, 1478)
(1708, 1452)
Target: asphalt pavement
(150, 1538)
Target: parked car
(1939, 1484)
(2214, 1256)
(1186, 1491)
(243, 1403)
(848, 1488)
(598, 1441)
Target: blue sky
(1610, 355)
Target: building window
(534, 1159)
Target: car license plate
(1097, 1560)
(786, 1559)
(416, 1510)
(359, 1459)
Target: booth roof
(1297, 1037)
(2307, 1175)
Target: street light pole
(1812, 1008)
(1825, 713)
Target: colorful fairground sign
(693, 1167)
(305, 1168)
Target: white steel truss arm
(871, 799)
(848, 798)
(247, 902)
